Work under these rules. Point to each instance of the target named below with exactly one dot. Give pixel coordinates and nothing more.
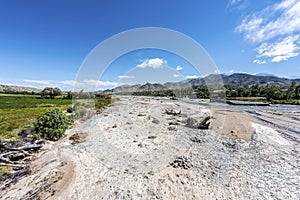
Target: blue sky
(43, 43)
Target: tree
(50, 92)
(291, 91)
(297, 92)
(255, 90)
(273, 92)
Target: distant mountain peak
(264, 74)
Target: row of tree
(270, 91)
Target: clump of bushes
(52, 125)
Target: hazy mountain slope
(17, 89)
(238, 79)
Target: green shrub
(52, 125)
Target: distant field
(262, 99)
(17, 111)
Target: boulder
(193, 123)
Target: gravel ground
(135, 150)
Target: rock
(155, 121)
(114, 126)
(169, 111)
(197, 139)
(181, 162)
(193, 123)
(70, 110)
(172, 128)
(140, 145)
(173, 123)
(141, 114)
(230, 144)
(152, 137)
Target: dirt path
(136, 151)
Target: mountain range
(237, 79)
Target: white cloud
(69, 82)
(154, 63)
(260, 62)
(176, 75)
(280, 50)
(42, 82)
(178, 68)
(275, 29)
(280, 19)
(233, 2)
(236, 4)
(100, 83)
(124, 76)
(192, 76)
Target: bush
(52, 125)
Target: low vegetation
(22, 110)
(18, 111)
(4, 171)
(78, 137)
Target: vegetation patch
(4, 171)
(78, 137)
(18, 110)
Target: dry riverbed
(137, 150)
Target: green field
(17, 111)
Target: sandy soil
(134, 150)
(234, 124)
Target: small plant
(4, 171)
(78, 137)
(52, 125)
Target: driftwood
(17, 156)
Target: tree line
(269, 91)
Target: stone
(169, 111)
(155, 121)
(181, 162)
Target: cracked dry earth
(136, 151)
